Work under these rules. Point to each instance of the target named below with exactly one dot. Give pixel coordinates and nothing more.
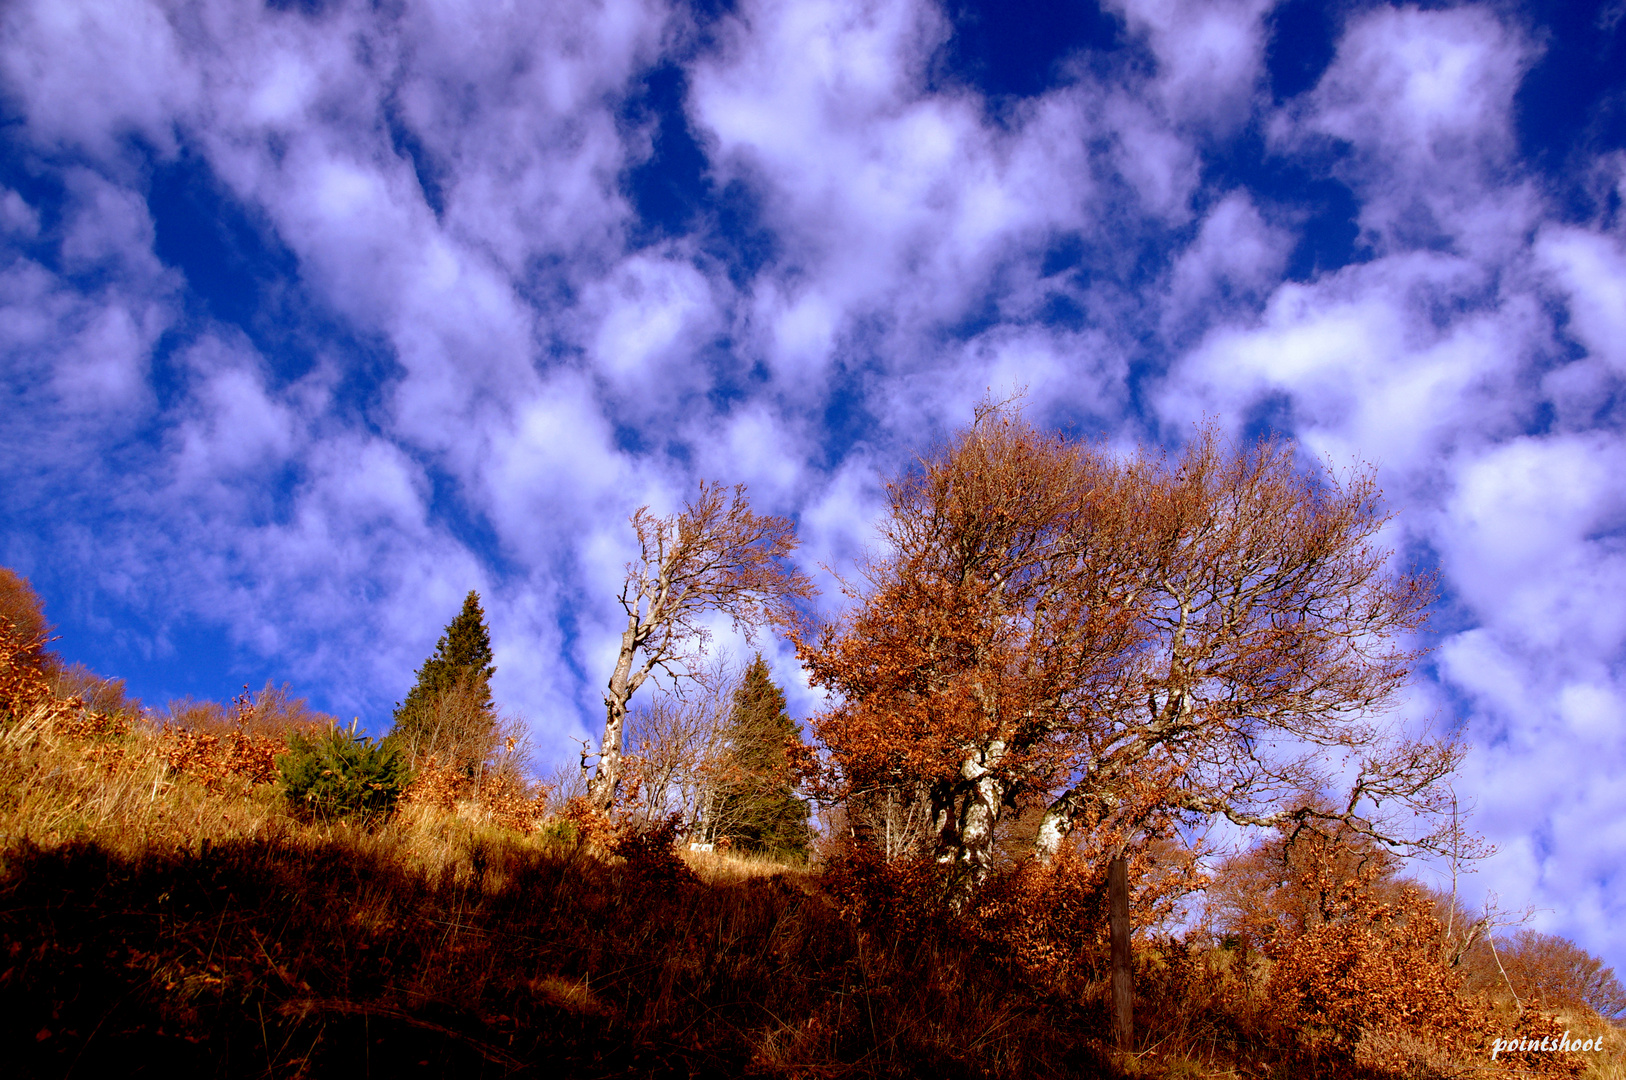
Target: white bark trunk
(1053, 829)
(969, 810)
(606, 779)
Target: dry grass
(151, 922)
(155, 921)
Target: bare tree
(1553, 972)
(1273, 639)
(715, 556)
(455, 726)
(896, 820)
(676, 747)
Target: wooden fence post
(1123, 1004)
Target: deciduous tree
(675, 747)
(1125, 642)
(714, 556)
(22, 613)
(1552, 972)
(1274, 641)
(983, 634)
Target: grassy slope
(149, 925)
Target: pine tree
(449, 711)
(755, 805)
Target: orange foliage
(1360, 968)
(215, 746)
(510, 802)
(212, 760)
(1124, 644)
(1552, 972)
(592, 826)
(22, 619)
(434, 785)
(973, 656)
(498, 794)
(25, 684)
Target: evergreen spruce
(335, 774)
(757, 806)
(462, 656)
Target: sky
(315, 316)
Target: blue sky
(315, 316)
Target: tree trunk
(607, 777)
(967, 812)
(1056, 824)
(1123, 1003)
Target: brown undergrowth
(294, 952)
(160, 912)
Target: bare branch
(714, 556)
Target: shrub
(25, 688)
(1552, 972)
(105, 696)
(651, 855)
(335, 774)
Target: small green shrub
(335, 774)
(560, 832)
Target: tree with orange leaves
(22, 615)
(1121, 642)
(983, 634)
(715, 556)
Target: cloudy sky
(315, 316)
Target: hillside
(164, 910)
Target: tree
(449, 712)
(676, 746)
(1552, 972)
(714, 556)
(1125, 643)
(1281, 888)
(753, 801)
(983, 634)
(22, 613)
(333, 773)
(1273, 638)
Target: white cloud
(1235, 259)
(652, 315)
(91, 73)
(1525, 535)
(1591, 268)
(85, 349)
(1209, 55)
(17, 217)
(1424, 99)
(1435, 360)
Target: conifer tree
(755, 804)
(449, 710)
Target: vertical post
(1123, 1005)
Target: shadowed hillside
(166, 909)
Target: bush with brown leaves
(1363, 975)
